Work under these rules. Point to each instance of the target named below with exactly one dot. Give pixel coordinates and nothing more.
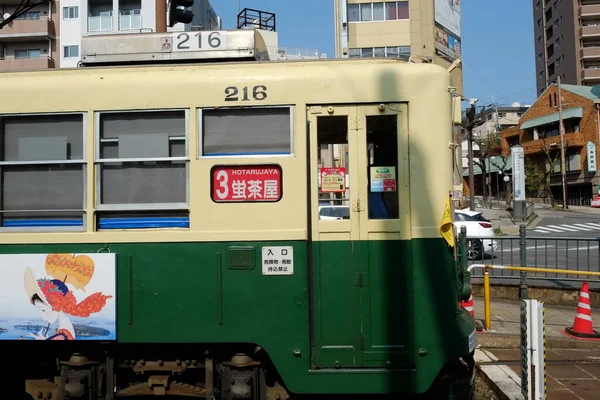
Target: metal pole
(470, 156)
(523, 259)
(561, 128)
(486, 299)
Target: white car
(334, 212)
(477, 227)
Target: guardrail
(547, 258)
(486, 282)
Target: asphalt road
(567, 224)
(561, 240)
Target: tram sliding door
(361, 282)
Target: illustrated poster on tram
(58, 297)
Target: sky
(497, 42)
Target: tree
(489, 148)
(552, 156)
(534, 179)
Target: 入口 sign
(278, 260)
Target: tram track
(561, 362)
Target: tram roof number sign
(196, 41)
(333, 180)
(246, 183)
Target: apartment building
(30, 41)
(427, 30)
(49, 36)
(567, 42)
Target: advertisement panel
(58, 297)
(447, 45)
(333, 180)
(447, 15)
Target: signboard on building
(446, 44)
(447, 15)
(246, 183)
(518, 168)
(333, 180)
(591, 157)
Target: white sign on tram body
(199, 41)
(278, 260)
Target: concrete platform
(572, 366)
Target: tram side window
(142, 165)
(246, 131)
(42, 171)
(382, 155)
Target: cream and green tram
(230, 230)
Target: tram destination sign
(246, 183)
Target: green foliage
(534, 177)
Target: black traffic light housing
(177, 14)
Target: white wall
(70, 32)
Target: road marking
(593, 225)
(545, 229)
(583, 226)
(563, 227)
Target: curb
(493, 340)
(501, 380)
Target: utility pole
(561, 131)
(470, 114)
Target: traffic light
(178, 12)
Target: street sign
(533, 350)
(591, 157)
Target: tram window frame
(67, 219)
(260, 154)
(158, 209)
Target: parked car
(477, 227)
(334, 212)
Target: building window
(71, 12)
(142, 162)
(42, 171)
(29, 15)
(540, 56)
(246, 131)
(391, 51)
(28, 53)
(539, 22)
(538, 5)
(558, 40)
(574, 162)
(539, 40)
(550, 51)
(71, 51)
(557, 23)
(559, 60)
(541, 74)
(551, 69)
(369, 12)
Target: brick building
(538, 134)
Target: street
(560, 240)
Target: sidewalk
(573, 366)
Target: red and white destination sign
(246, 183)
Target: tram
(167, 230)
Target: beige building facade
(424, 31)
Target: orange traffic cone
(470, 307)
(582, 326)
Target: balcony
(130, 22)
(12, 63)
(589, 31)
(590, 74)
(589, 10)
(100, 24)
(590, 52)
(22, 30)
